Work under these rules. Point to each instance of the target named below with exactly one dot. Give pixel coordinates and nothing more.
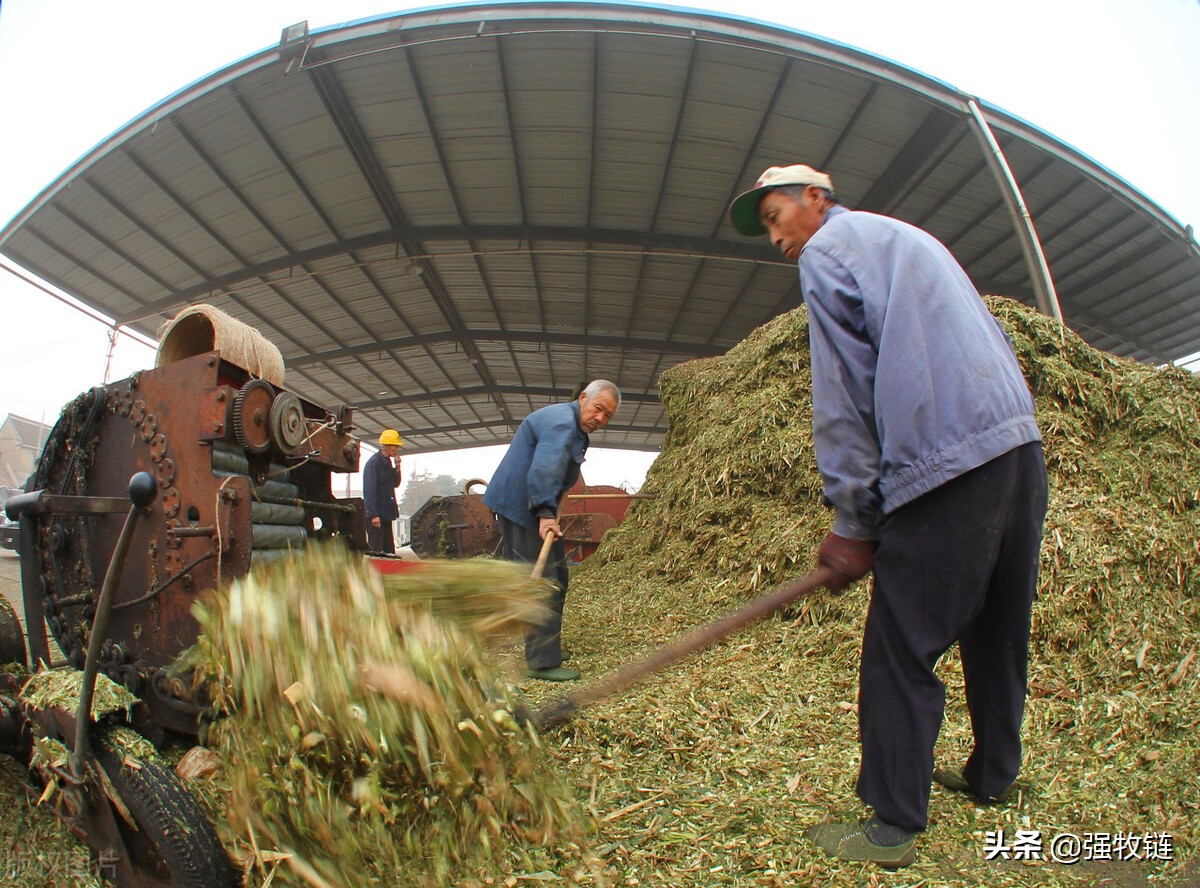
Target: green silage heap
(755, 739)
(708, 773)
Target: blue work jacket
(914, 382)
(542, 463)
(380, 480)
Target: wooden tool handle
(544, 555)
(561, 710)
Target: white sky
(1117, 79)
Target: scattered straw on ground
(37, 850)
(708, 773)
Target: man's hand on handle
(548, 524)
(849, 559)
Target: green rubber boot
(850, 841)
(555, 673)
(953, 780)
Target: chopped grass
(709, 772)
(733, 753)
(366, 741)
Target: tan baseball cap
(743, 212)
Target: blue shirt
(914, 381)
(541, 464)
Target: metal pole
(1031, 247)
(142, 488)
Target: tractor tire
(174, 844)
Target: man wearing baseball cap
(924, 434)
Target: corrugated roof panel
(196, 184)
(168, 235)
(446, 217)
(66, 253)
(45, 260)
(636, 108)
(550, 99)
(265, 183)
(318, 158)
(62, 234)
(748, 293)
(511, 302)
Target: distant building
(21, 443)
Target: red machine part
(462, 526)
(233, 488)
(458, 526)
(588, 512)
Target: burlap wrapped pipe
(199, 329)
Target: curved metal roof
(449, 217)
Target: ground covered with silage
(709, 773)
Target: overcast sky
(1116, 80)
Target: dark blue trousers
(543, 642)
(958, 564)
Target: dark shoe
(853, 841)
(953, 780)
(554, 673)
(567, 654)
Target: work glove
(849, 559)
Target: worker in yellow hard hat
(381, 477)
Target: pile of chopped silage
(710, 772)
(38, 849)
(364, 740)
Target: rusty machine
(149, 491)
(463, 527)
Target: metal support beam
(1031, 247)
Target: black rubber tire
(175, 843)
(12, 637)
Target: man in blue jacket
(924, 434)
(541, 465)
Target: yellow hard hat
(391, 436)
